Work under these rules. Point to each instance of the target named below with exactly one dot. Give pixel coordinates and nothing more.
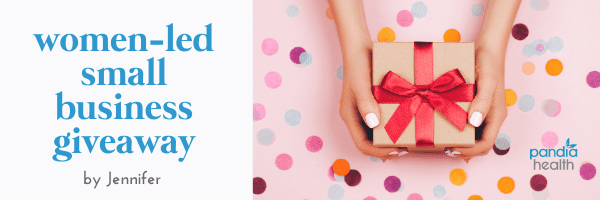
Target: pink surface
(315, 92)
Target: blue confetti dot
(528, 50)
(339, 72)
(339, 178)
(476, 9)
(439, 191)
(335, 192)
(292, 11)
(265, 136)
(374, 159)
(419, 10)
(526, 103)
(555, 44)
(305, 58)
(447, 198)
(535, 45)
(401, 186)
(539, 5)
(292, 117)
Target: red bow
(441, 94)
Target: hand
(489, 105)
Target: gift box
(423, 90)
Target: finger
(367, 148)
(368, 107)
(482, 102)
(490, 132)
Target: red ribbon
(419, 100)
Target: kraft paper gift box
(431, 114)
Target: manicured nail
(476, 119)
(393, 153)
(450, 154)
(402, 153)
(456, 152)
(372, 120)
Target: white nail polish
(402, 153)
(450, 154)
(393, 153)
(372, 120)
(476, 119)
(456, 152)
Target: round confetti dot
(500, 152)
(335, 192)
(538, 182)
(265, 136)
(352, 178)
(295, 54)
(329, 13)
(587, 171)
(255, 114)
(439, 191)
(511, 97)
(374, 159)
(593, 79)
(341, 167)
(269, 46)
(452, 35)
(554, 67)
(528, 68)
(549, 139)
(260, 110)
(555, 44)
(292, 117)
(541, 195)
(292, 11)
(392, 184)
(284, 161)
(526, 103)
(314, 144)
(551, 107)
(338, 178)
(306, 58)
(503, 141)
(369, 198)
(419, 10)
(386, 35)
(414, 196)
(520, 31)
(476, 9)
(539, 5)
(447, 198)
(258, 185)
(458, 176)
(506, 185)
(402, 185)
(475, 197)
(539, 47)
(330, 173)
(528, 50)
(339, 73)
(273, 80)
(404, 18)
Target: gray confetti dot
(306, 58)
(373, 159)
(339, 72)
(555, 44)
(292, 11)
(447, 198)
(339, 178)
(528, 50)
(265, 136)
(541, 195)
(401, 186)
(539, 5)
(543, 49)
(419, 10)
(526, 103)
(503, 141)
(476, 9)
(439, 191)
(292, 117)
(335, 192)
(551, 107)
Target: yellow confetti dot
(452, 35)
(328, 13)
(511, 97)
(458, 176)
(554, 67)
(475, 197)
(386, 35)
(528, 68)
(506, 185)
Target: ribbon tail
(449, 109)
(402, 117)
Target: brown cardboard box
(399, 58)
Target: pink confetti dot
(587, 171)
(284, 161)
(295, 54)
(273, 80)
(549, 139)
(593, 79)
(539, 47)
(405, 18)
(261, 111)
(414, 196)
(369, 198)
(330, 173)
(314, 144)
(269, 46)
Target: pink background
(315, 91)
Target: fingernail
(372, 120)
(476, 119)
(450, 154)
(393, 153)
(456, 152)
(402, 153)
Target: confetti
(458, 176)
(341, 167)
(476, 9)
(439, 191)
(339, 178)
(392, 184)
(292, 11)
(587, 171)
(593, 79)
(503, 141)
(352, 178)
(292, 117)
(551, 107)
(330, 173)
(265, 136)
(538, 182)
(452, 35)
(314, 144)
(506, 185)
(295, 54)
(539, 5)
(273, 80)
(528, 50)
(419, 10)
(329, 13)
(386, 35)
(374, 159)
(520, 31)
(284, 161)
(555, 44)
(554, 67)
(549, 139)
(260, 111)
(539, 47)
(528, 68)
(339, 73)
(369, 198)
(541, 195)
(402, 185)
(511, 97)
(258, 185)
(526, 103)
(335, 192)
(306, 58)
(414, 196)
(404, 18)
(475, 197)
(500, 152)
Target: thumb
(480, 106)
(368, 108)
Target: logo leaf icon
(570, 145)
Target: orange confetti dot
(475, 197)
(452, 35)
(554, 67)
(528, 68)
(458, 176)
(511, 97)
(328, 13)
(506, 185)
(341, 167)
(386, 35)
